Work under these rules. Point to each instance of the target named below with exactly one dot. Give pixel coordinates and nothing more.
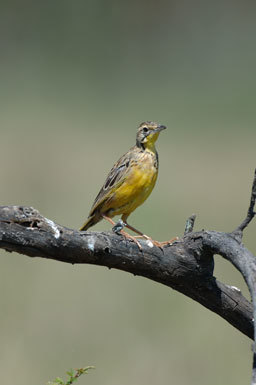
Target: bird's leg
(109, 220)
(135, 230)
(124, 221)
(141, 235)
(118, 228)
(156, 243)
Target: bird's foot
(128, 236)
(118, 229)
(151, 242)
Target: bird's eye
(145, 129)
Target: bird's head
(148, 133)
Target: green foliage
(73, 376)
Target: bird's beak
(160, 128)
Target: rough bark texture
(186, 266)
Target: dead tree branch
(186, 266)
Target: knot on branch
(195, 246)
(28, 217)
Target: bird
(129, 183)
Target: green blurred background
(77, 77)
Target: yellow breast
(136, 187)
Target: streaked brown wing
(115, 177)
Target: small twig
(73, 376)
(190, 224)
(251, 213)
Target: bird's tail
(91, 221)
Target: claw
(128, 236)
(160, 244)
(170, 242)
